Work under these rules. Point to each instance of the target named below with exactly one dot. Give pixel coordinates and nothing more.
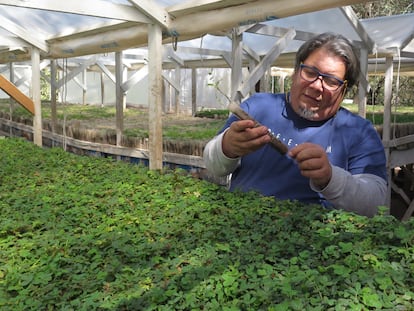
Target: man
(335, 157)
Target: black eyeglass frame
(323, 75)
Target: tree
(383, 8)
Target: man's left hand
(313, 163)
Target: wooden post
(386, 127)
(37, 119)
(165, 97)
(124, 92)
(53, 94)
(120, 98)
(11, 68)
(177, 76)
(193, 91)
(282, 82)
(362, 91)
(102, 90)
(155, 98)
(84, 78)
(236, 67)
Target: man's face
(313, 100)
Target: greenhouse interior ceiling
(198, 32)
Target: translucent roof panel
(209, 42)
(48, 24)
(387, 32)
(392, 31)
(316, 22)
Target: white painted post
(236, 65)
(53, 94)
(386, 128)
(155, 98)
(12, 75)
(362, 92)
(193, 91)
(120, 98)
(37, 119)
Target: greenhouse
(96, 233)
(119, 52)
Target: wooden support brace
(409, 212)
(16, 94)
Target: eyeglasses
(311, 74)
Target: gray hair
(339, 46)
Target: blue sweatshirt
(350, 141)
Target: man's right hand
(243, 137)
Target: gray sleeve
(215, 160)
(361, 193)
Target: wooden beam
(359, 28)
(106, 71)
(193, 6)
(69, 76)
(135, 78)
(265, 63)
(154, 11)
(246, 13)
(11, 90)
(401, 157)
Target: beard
(307, 113)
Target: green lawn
(376, 113)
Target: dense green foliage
(402, 114)
(213, 113)
(68, 111)
(200, 131)
(383, 8)
(82, 233)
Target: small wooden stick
(243, 115)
